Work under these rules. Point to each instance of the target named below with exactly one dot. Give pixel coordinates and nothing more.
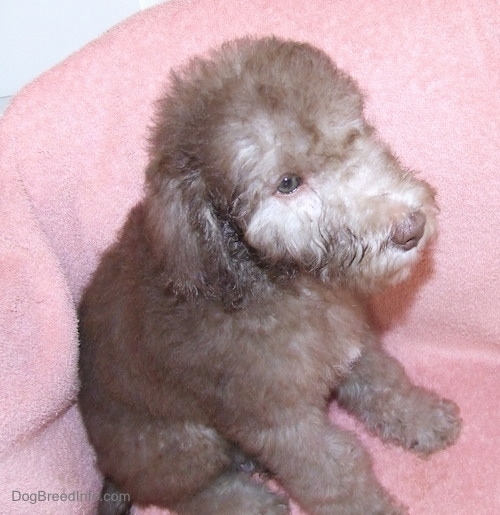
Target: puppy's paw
(234, 494)
(437, 425)
(423, 423)
(279, 506)
(266, 503)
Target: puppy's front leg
(323, 468)
(380, 394)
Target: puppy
(216, 329)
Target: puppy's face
(270, 135)
(311, 184)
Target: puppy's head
(262, 155)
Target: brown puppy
(216, 328)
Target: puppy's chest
(320, 332)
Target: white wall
(36, 34)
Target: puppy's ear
(198, 249)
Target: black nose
(407, 233)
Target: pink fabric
(72, 155)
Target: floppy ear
(198, 248)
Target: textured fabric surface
(72, 157)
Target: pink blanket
(72, 155)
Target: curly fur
(217, 327)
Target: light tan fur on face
(230, 310)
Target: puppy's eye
(289, 184)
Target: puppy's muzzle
(409, 232)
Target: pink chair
(72, 156)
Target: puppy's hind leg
(151, 462)
(234, 494)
